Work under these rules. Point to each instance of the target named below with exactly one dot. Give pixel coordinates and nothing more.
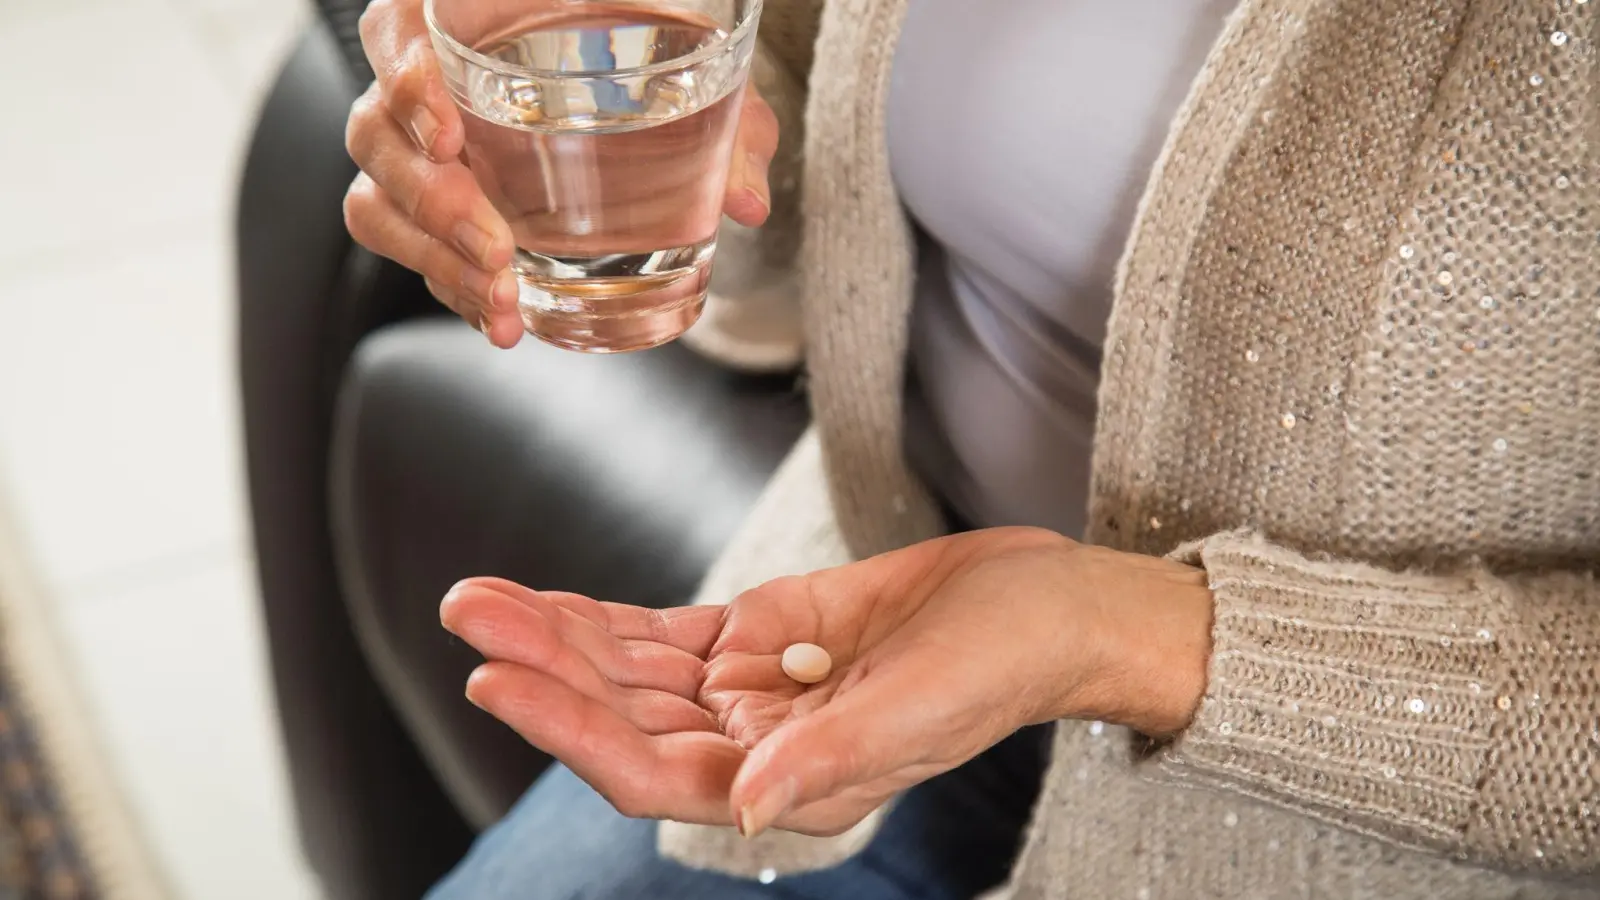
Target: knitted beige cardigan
(1353, 370)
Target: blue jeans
(950, 838)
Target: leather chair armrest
(374, 824)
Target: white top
(1021, 135)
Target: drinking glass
(602, 130)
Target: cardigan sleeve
(789, 29)
(752, 320)
(1458, 712)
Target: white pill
(807, 663)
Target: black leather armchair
(392, 452)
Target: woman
(1342, 515)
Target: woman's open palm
(686, 714)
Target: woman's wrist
(1153, 648)
(1175, 657)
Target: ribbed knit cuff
(1363, 697)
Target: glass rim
(502, 67)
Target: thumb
(851, 741)
(749, 195)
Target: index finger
(394, 35)
(691, 629)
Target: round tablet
(807, 663)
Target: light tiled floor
(118, 417)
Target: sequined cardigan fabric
(1353, 370)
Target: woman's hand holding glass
(417, 203)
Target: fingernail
(486, 325)
(480, 283)
(756, 179)
(758, 815)
(504, 293)
(424, 129)
(473, 241)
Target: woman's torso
(1357, 314)
(1021, 136)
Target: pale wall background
(122, 129)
